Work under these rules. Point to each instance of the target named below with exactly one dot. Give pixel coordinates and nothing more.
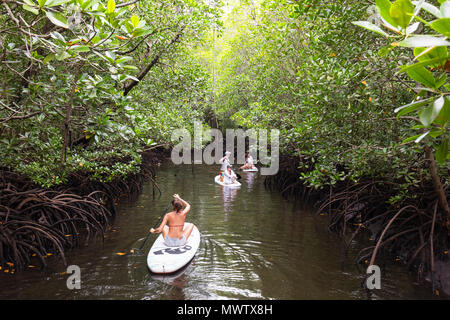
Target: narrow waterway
(254, 245)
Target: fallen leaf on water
(67, 235)
(120, 253)
(63, 273)
(6, 270)
(49, 254)
(10, 264)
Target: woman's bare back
(176, 222)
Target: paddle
(157, 223)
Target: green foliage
(431, 103)
(65, 65)
(303, 68)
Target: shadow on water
(254, 245)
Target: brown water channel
(254, 245)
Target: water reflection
(177, 279)
(250, 178)
(228, 195)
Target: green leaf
(80, 48)
(424, 41)
(429, 62)
(49, 58)
(423, 76)
(132, 78)
(442, 26)
(412, 28)
(384, 7)
(430, 9)
(445, 9)
(58, 36)
(111, 6)
(430, 113)
(429, 53)
(370, 26)
(124, 59)
(413, 106)
(437, 106)
(442, 151)
(57, 19)
(134, 20)
(444, 116)
(41, 3)
(54, 3)
(421, 137)
(130, 67)
(401, 12)
(110, 56)
(62, 56)
(411, 138)
(34, 10)
(425, 116)
(435, 132)
(440, 81)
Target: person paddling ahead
(177, 232)
(225, 161)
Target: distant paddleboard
(162, 259)
(231, 185)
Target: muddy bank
(37, 224)
(413, 232)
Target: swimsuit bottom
(175, 242)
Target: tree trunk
(67, 120)
(443, 204)
(144, 72)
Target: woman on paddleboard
(229, 177)
(225, 161)
(177, 232)
(248, 164)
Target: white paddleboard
(255, 169)
(231, 185)
(162, 259)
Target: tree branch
(152, 63)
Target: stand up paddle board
(162, 259)
(255, 169)
(231, 185)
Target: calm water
(255, 245)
